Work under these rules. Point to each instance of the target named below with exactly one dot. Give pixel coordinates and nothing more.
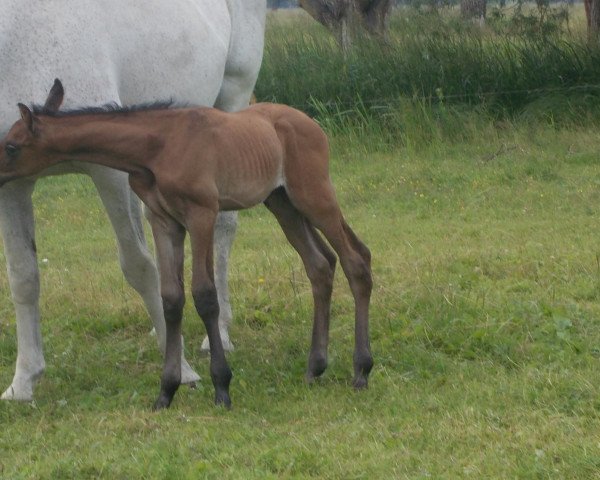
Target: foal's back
(305, 151)
(293, 137)
(248, 154)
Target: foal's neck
(126, 143)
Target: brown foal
(186, 164)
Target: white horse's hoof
(227, 345)
(17, 395)
(188, 376)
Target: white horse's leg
(230, 100)
(123, 208)
(16, 222)
(225, 228)
(241, 71)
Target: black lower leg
(363, 360)
(207, 306)
(357, 267)
(322, 283)
(171, 376)
(363, 363)
(317, 363)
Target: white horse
(202, 52)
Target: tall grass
(430, 68)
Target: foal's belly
(250, 164)
(247, 195)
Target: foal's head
(22, 151)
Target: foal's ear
(26, 116)
(55, 97)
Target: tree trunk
(588, 7)
(594, 20)
(374, 15)
(327, 12)
(342, 16)
(473, 10)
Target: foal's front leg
(200, 222)
(168, 238)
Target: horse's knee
(365, 253)
(366, 277)
(357, 243)
(24, 281)
(360, 276)
(138, 267)
(225, 228)
(173, 303)
(331, 258)
(321, 274)
(206, 302)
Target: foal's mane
(107, 109)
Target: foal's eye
(11, 149)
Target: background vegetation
(468, 161)
(525, 62)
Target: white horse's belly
(128, 52)
(184, 50)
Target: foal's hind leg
(322, 211)
(319, 263)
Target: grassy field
(485, 326)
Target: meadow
(482, 213)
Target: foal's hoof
(161, 403)
(363, 364)
(316, 366)
(222, 400)
(311, 377)
(360, 383)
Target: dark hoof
(222, 400)
(360, 383)
(309, 378)
(316, 367)
(363, 363)
(161, 403)
(192, 385)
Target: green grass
(485, 332)
(485, 312)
